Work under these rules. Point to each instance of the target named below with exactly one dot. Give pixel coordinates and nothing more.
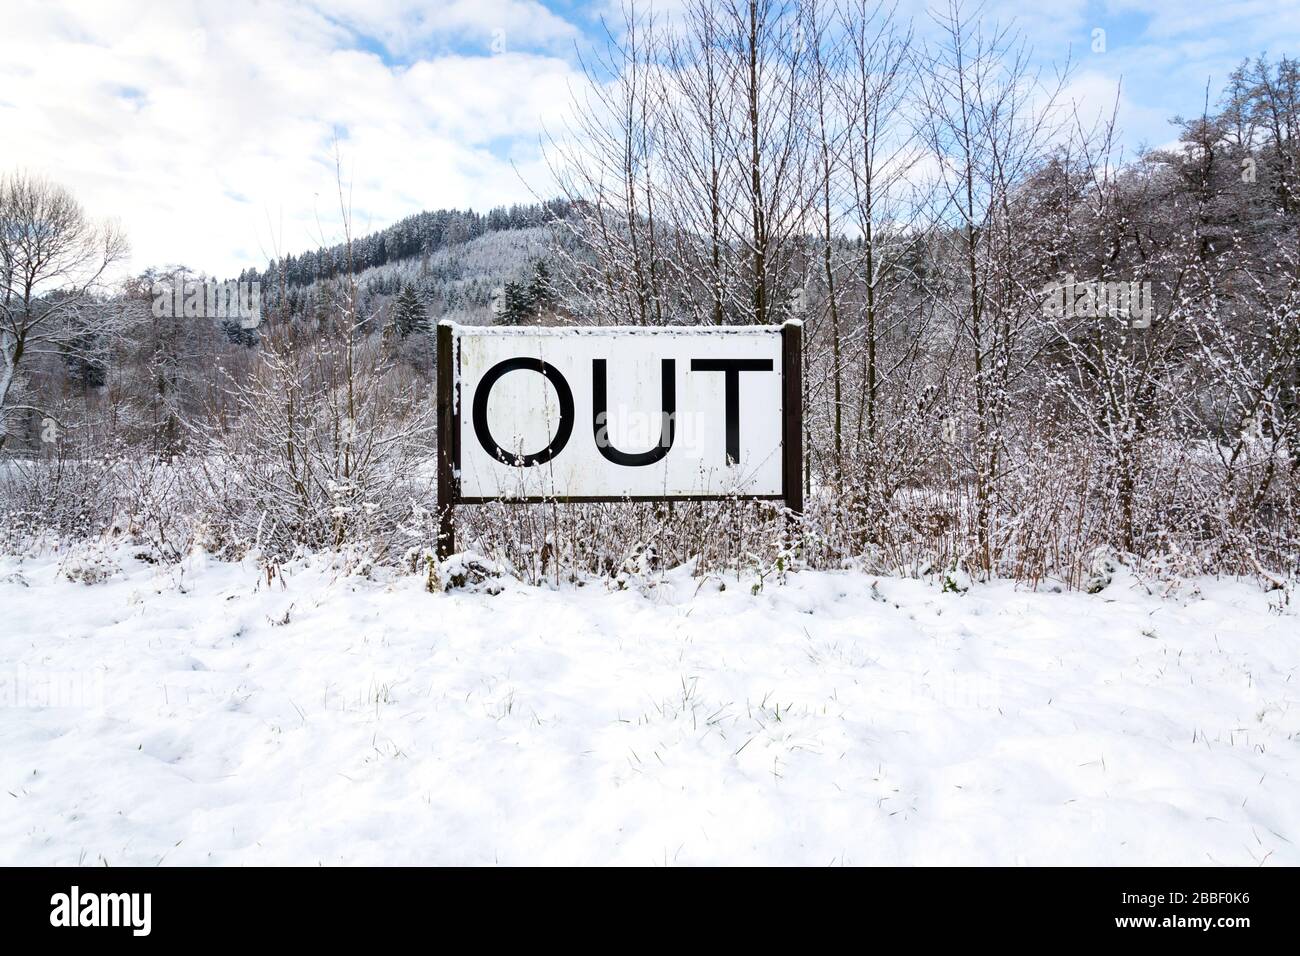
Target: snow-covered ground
(195, 715)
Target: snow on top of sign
(530, 330)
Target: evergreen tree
(516, 305)
(85, 366)
(236, 334)
(541, 291)
(409, 315)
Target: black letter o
(484, 390)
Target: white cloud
(208, 130)
(404, 25)
(1245, 21)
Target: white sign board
(607, 413)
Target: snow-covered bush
(327, 450)
(956, 579)
(89, 562)
(641, 570)
(472, 572)
(424, 561)
(1101, 571)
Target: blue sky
(207, 128)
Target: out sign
(601, 414)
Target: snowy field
(196, 715)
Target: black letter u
(600, 416)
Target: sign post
(537, 414)
(446, 430)
(792, 415)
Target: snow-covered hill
(457, 280)
(193, 715)
(469, 271)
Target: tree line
(1027, 353)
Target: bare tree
(768, 66)
(987, 118)
(880, 154)
(605, 163)
(698, 141)
(52, 261)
